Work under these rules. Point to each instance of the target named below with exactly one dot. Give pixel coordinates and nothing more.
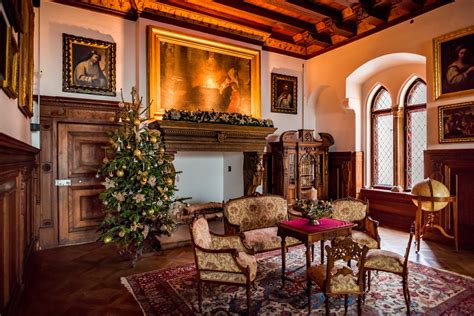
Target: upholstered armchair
(391, 262)
(356, 211)
(342, 275)
(221, 259)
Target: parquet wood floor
(85, 279)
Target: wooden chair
(221, 259)
(388, 261)
(342, 275)
(357, 211)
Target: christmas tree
(139, 184)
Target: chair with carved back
(357, 211)
(392, 262)
(221, 259)
(342, 275)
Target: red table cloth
(324, 224)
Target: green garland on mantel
(215, 117)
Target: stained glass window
(415, 135)
(382, 137)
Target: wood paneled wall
(18, 197)
(73, 137)
(346, 174)
(455, 168)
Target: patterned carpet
(173, 292)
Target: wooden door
(81, 149)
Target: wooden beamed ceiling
(300, 28)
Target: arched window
(382, 139)
(415, 132)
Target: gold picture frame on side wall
(454, 63)
(10, 83)
(456, 122)
(26, 66)
(191, 73)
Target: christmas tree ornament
(119, 173)
(136, 122)
(153, 139)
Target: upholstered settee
(255, 218)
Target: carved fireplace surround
(191, 136)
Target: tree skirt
(173, 291)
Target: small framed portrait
(456, 122)
(454, 63)
(284, 94)
(3, 48)
(88, 66)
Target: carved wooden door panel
(80, 154)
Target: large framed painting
(191, 73)
(10, 82)
(284, 95)
(456, 122)
(454, 63)
(3, 48)
(88, 66)
(26, 66)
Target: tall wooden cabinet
(298, 162)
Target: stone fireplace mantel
(191, 136)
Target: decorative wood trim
(17, 215)
(455, 168)
(190, 136)
(393, 209)
(346, 174)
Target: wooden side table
(308, 234)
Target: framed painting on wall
(10, 83)
(88, 66)
(454, 63)
(191, 73)
(3, 48)
(284, 95)
(26, 66)
(456, 122)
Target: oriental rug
(173, 291)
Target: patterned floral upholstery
(264, 239)
(350, 210)
(224, 263)
(356, 211)
(221, 259)
(385, 260)
(337, 277)
(257, 218)
(364, 239)
(256, 212)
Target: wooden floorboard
(85, 279)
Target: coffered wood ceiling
(300, 28)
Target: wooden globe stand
(420, 224)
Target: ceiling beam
(276, 16)
(332, 13)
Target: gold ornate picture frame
(284, 94)
(192, 73)
(26, 66)
(456, 122)
(10, 83)
(88, 66)
(454, 63)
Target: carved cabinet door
(81, 149)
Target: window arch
(415, 132)
(382, 138)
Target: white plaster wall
(12, 122)
(202, 176)
(327, 73)
(233, 179)
(57, 19)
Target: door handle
(62, 182)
